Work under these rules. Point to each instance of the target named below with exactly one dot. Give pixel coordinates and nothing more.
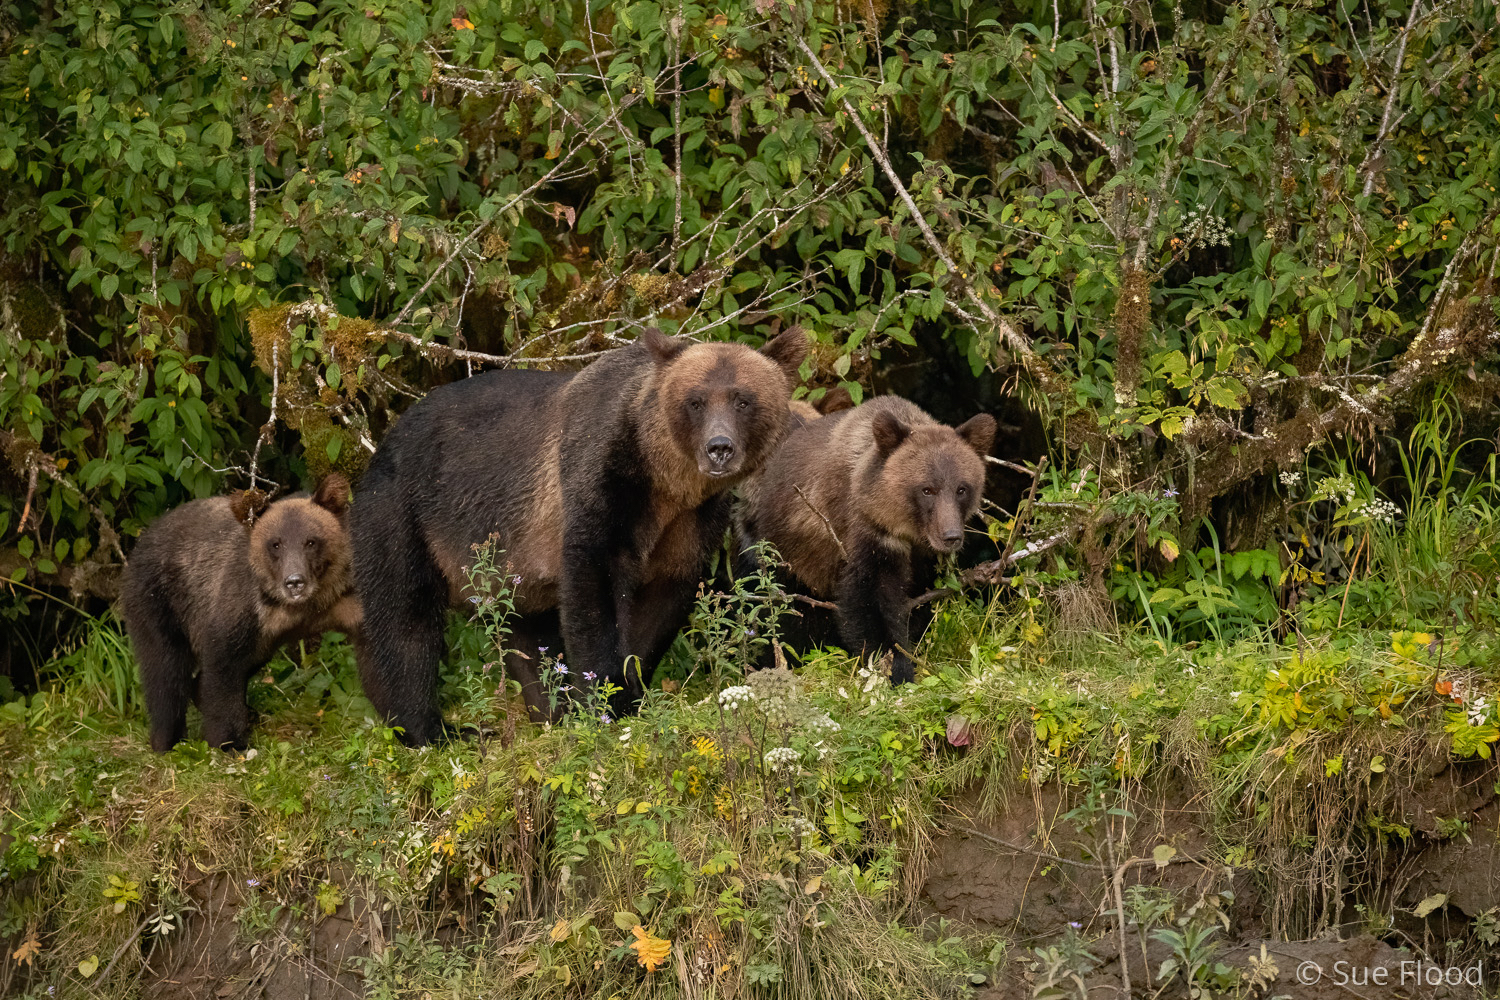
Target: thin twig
(1012, 337)
(269, 428)
(826, 523)
(1372, 158)
(485, 224)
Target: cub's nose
(295, 584)
(720, 450)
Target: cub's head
(932, 477)
(299, 547)
(724, 405)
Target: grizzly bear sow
(605, 491)
(854, 499)
(215, 587)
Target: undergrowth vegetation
(761, 835)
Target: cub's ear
(787, 349)
(978, 433)
(332, 494)
(661, 347)
(889, 433)
(834, 400)
(247, 505)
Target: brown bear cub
(215, 587)
(856, 500)
(606, 490)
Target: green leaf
(219, 134)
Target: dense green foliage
(1206, 237)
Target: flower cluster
(1290, 479)
(732, 698)
(1202, 229)
(775, 691)
(782, 759)
(800, 826)
(1340, 488)
(874, 679)
(1479, 711)
(1379, 511)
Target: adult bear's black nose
(720, 450)
(953, 536)
(294, 584)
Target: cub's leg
(874, 609)
(167, 668)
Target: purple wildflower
(252, 882)
(604, 718)
(1169, 492)
(561, 667)
(589, 675)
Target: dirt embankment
(1405, 914)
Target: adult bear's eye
(312, 543)
(276, 545)
(963, 491)
(695, 404)
(741, 403)
(928, 491)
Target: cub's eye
(963, 491)
(928, 491)
(695, 404)
(311, 543)
(742, 403)
(276, 545)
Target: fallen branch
(990, 572)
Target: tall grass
(1441, 556)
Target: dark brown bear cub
(605, 489)
(853, 500)
(215, 587)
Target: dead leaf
(650, 950)
(560, 931)
(29, 949)
(1163, 855)
(1429, 904)
(463, 24)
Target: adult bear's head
(299, 547)
(723, 406)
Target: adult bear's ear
(787, 349)
(978, 433)
(889, 432)
(247, 505)
(332, 494)
(661, 347)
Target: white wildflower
(782, 759)
(732, 698)
(1291, 478)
